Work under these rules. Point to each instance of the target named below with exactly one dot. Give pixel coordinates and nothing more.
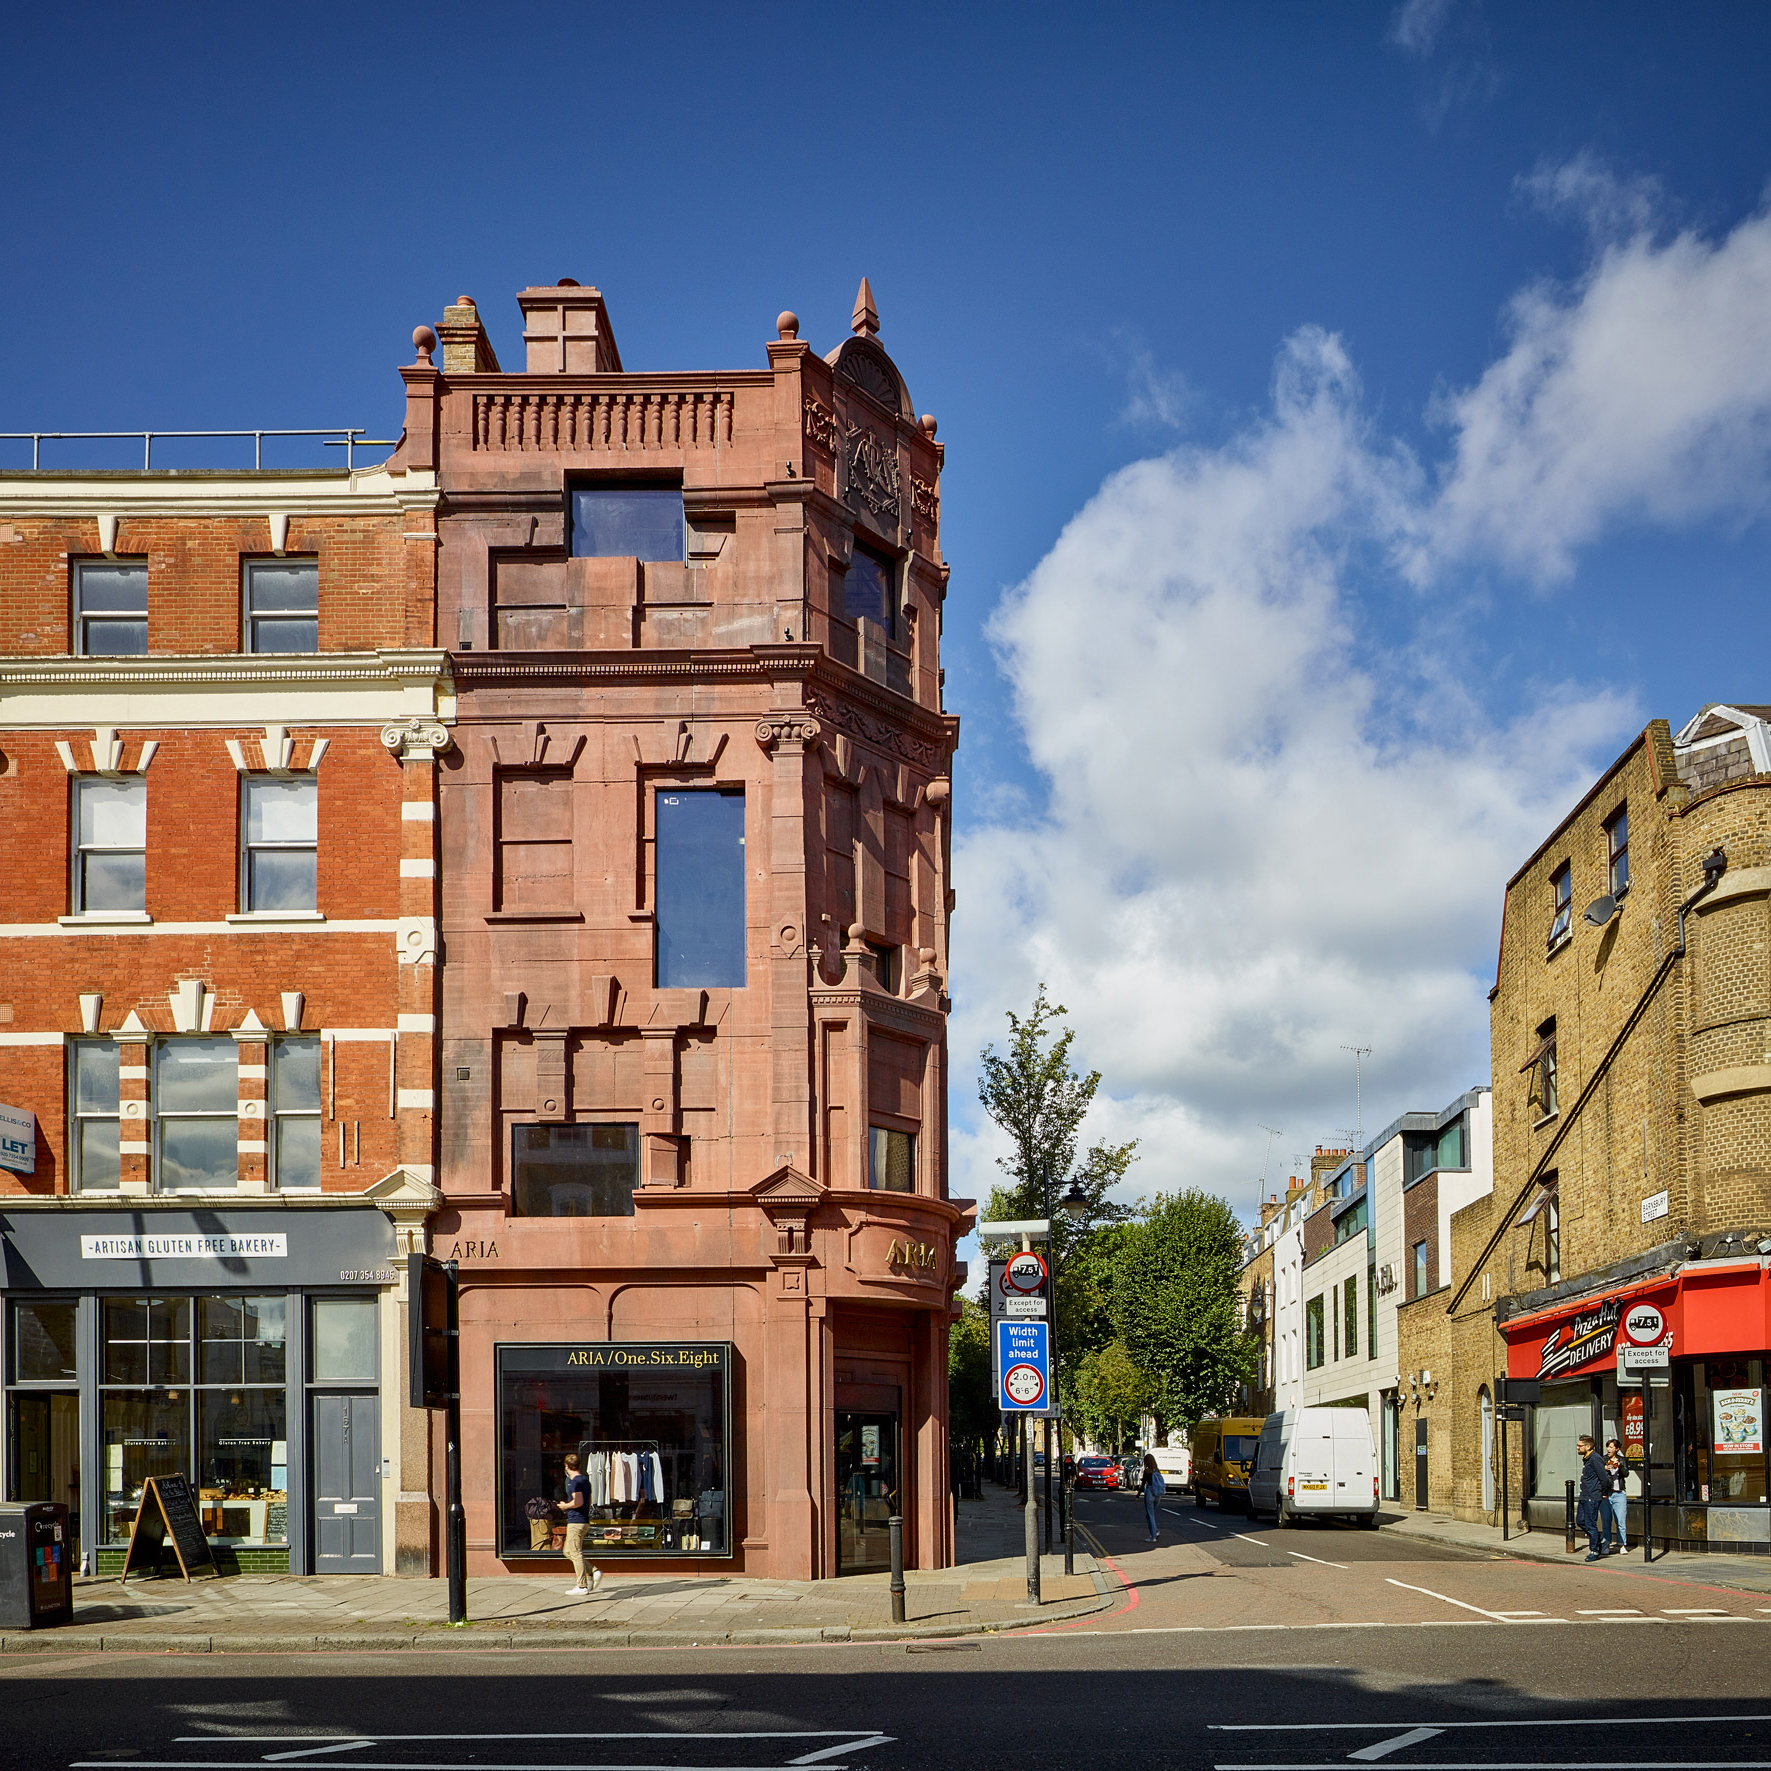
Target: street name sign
(1023, 1365)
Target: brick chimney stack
(466, 348)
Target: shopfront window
(194, 1386)
(574, 1171)
(44, 1341)
(651, 1421)
(1726, 1463)
(1564, 1413)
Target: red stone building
(694, 838)
(220, 704)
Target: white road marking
(1384, 1748)
(1317, 1560)
(842, 1746)
(445, 1765)
(842, 1734)
(1446, 1599)
(1525, 1722)
(1694, 1611)
(1612, 1611)
(1519, 1614)
(306, 1752)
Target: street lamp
(1075, 1203)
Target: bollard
(1568, 1520)
(895, 1524)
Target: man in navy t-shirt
(576, 1507)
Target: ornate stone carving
(820, 424)
(925, 500)
(787, 728)
(883, 734)
(873, 472)
(415, 740)
(866, 372)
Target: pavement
(985, 1591)
(1750, 1574)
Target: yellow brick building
(1631, 1044)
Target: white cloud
(1418, 24)
(1155, 396)
(1269, 833)
(1587, 190)
(1643, 393)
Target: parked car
(1223, 1455)
(1131, 1470)
(1096, 1472)
(1315, 1462)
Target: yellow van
(1223, 1457)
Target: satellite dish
(1600, 911)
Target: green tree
(1037, 1096)
(1174, 1303)
(1113, 1393)
(971, 1405)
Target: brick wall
(194, 579)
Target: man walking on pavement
(1594, 1486)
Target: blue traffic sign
(1023, 1366)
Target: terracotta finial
(928, 426)
(787, 323)
(424, 342)
(567, 283)
(465, 301)
(866, 316)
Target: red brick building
(694, 838)
(221, 705)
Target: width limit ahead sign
(1023, 1366)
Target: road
(1233, 1649)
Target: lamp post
(1074, 1206)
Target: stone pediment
(787, 1189)
(402, 1190)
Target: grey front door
(347, 1484)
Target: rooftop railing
(345, 437)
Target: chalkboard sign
(167, 1511)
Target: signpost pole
(1031, 1516)
(1647, 1469)
(455, 1528)
(1503, 1412)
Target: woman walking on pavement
(1152, 1487)
(1617, 1502)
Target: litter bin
(36, 1573)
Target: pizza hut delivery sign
(1592, 1335)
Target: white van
(1315, 1462)
(1176, 1465)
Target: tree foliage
(971, 1403)
(1173, 1301)
(1037, 1096)
(1112, 1393)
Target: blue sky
(1356, 418)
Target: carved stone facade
(590, 686)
